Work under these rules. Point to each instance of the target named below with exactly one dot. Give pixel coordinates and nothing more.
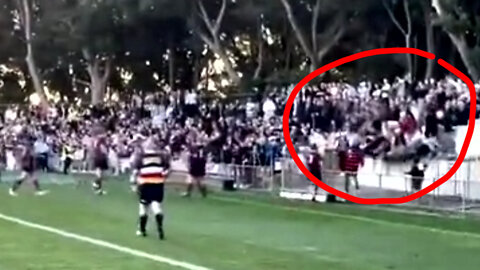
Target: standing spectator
(191, 103)
(41, 150)
(67, 156)
(251, 109)
(269, 109)
(315, 166)
(197, 170)
(408, 124)
(431, 124)
(417, 173)
(353, 161)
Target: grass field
(227, 231)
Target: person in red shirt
(353, 160)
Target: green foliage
(255, 34)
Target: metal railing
(379, 179)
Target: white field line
(353, 217)
(101, 243)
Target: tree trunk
(99, 76)
(196, 69)
(409, 57)
(300, 36)
(407, 33)
(26, 18)
(97, 89)
(465, 54)
(316, 14)
(32, 70)
(461, 45)
(430, 40)
(213, 38)
(259, 68)
(261, 43)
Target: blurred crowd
(390, 120)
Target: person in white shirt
(269, 109)
(10, 114)
(191, 98)
(41, 150)
(191, 103)
(251, 109)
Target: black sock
(143, 224)
(97, 184)
(159, 219)
(16, 185)
(203, 190)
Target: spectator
(269, 109)
(353, 161)
(42, 151)
(417, 174)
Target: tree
(319, 41)
(460, 20)
(89, 34)
(405, 30)
(429, 33)
(25, 21)
(209, 32)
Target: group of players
(150, 168)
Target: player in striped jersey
(151, 168)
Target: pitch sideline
(104, 244)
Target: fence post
(272, 176)
(380, 180)
(466, 189)
(282, 177)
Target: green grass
(230, 231)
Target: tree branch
(316, 14)
(407, 14)
(331, 42)
(204, 38)
(92, 64)
(298, 32)
(205, 17)
(392, 17)
(27, 21)
(221, 14)
(261, 45)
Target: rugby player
(100, 163)
(151, 168)
(197, 171)
(27, 163)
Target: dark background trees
(91, 49)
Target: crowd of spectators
(390, 120)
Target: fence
(244, 176)
(380, 179)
